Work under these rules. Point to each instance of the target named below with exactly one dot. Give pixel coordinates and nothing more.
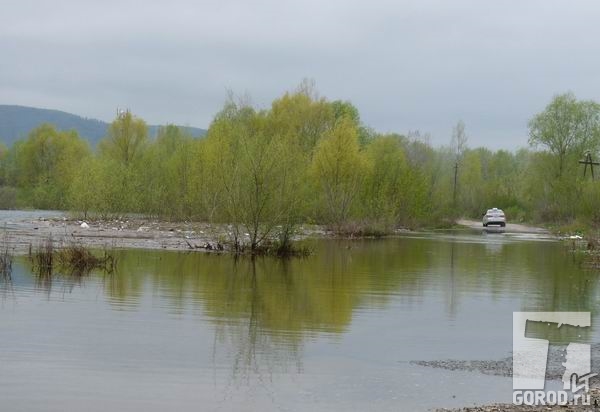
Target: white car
(494, 216)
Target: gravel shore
(133, 233)
(503, 367)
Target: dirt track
(510, 227)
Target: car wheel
(485, 225)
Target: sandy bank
(22, 233)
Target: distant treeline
(18, 121)
(307, 160)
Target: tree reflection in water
(264, 311)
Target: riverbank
(503, 367)
(27, 229)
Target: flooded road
(336, 331)
(510, 227)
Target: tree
(339, 170)
(473, 185)
(85, 192)
(302, 117)
(458, 145)
(168, 173)
(46, 164)
(346, 109)
(127, 136)
(566, 127)
(122, 171)
(386, 188)
(256, 172)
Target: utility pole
(455, 182)
(588, 161)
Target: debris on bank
(135, 233)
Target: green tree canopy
(47, 162)
(126, 139)
(339, 169)
(566, 126)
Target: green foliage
(8, 197)
(589, 202)
(257, 174)
(114, 183)
(307, 160)
(168, 176)
(302, 119)
(386, 172)
(553, 186)
(388, 186)
(567, 126)
(338, 169)
(126, 139)
(46, 165)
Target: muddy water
(335, 331)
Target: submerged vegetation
(79, 260)
(6, 259)
(6, 262)
(72, 259)
(306, 159)
(42, 258)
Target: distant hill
(17, 121)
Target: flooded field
(339, 330)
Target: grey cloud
(405, 64)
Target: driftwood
(208, 246)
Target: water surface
(335, 331)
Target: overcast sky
(406, 65)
